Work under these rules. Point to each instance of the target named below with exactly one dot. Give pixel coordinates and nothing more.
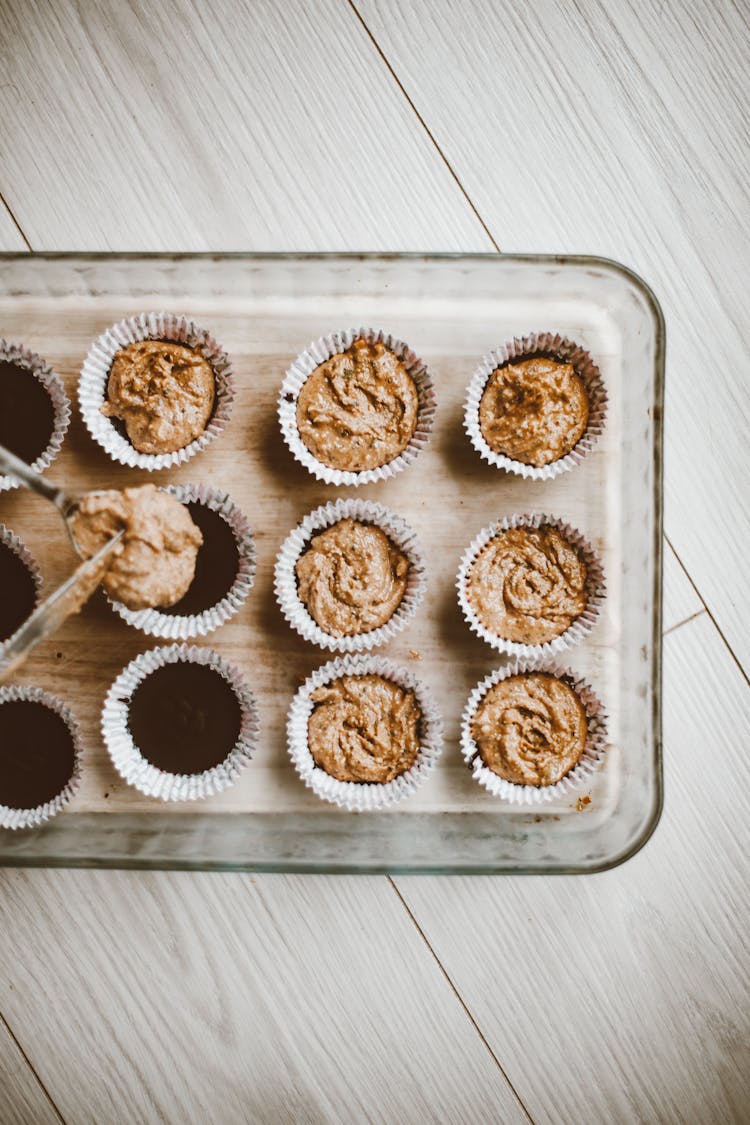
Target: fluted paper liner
(127, 758)
(52, 383)
(298, 540)
(589, 762)
(595, 587)
(14, 542)
(358, 796)
(318, 352)
(175, 627)
(564, 350)
(32, 818)
(92, 386)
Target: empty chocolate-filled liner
(20, 584)
(40, 754)
(34, 409)
(180, 723)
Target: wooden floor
(619, 129)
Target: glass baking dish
(264, 308)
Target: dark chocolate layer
(184, 718)
(27, 416)
(17, 592)
(216, 566)
(37, 754)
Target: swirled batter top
(527, 585)
(530, 729)
(534, 411)
(358, 410)
(351, 578)
(154, 564)
(364, 728)
(163, 392)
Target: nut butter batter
(527, 585)
(163, 392)
(530, 729)
(364, 728)
(155, 562)
(358, 410)
(534, 411)
(351, 578)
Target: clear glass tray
(451, 309)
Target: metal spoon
(67, 503)
(74, 592)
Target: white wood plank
(214, 126)
(618, 129)
(680, 601)
(625, 997)
(218, 998)
(10, 236)
(22, 1099)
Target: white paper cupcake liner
(53, 384)
(318, 352)
(564, 350)
(92, 386)
(589, 762)
(298, 540)
(32, 818)
(352, 795)
(127, 758)
(175, 627)
(595, 587)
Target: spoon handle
(49, 616)
(15, 467)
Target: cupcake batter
(364, 728)
(351, 578)
(530, 729)
(163, 392)
(534, 411)
(527, 585)
(358, 410)
(155, 562)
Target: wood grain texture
(10, 236)
(216, 998)
(680, 600)
(263, 126)
(23, 1101)
(630, 141)
(626, 997)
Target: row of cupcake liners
(298, 541)
(161, 785)
(94, 378)
(42, 371)
(356, 797)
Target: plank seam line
(15, 221)
(424, 125)
(685, 621)
(715, 623)
(26, 1059)
(460, 998)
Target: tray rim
(659, 329)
